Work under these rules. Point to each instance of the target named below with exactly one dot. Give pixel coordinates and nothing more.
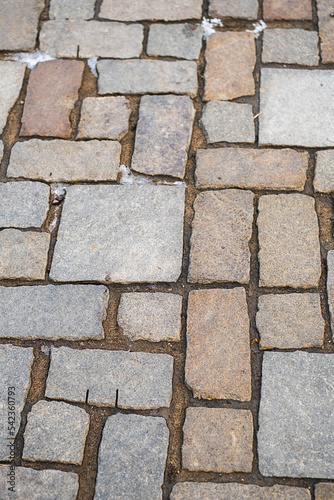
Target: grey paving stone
(290, 46)
(326, 23)
(11, 78)
(23, 254)
(15, 366)
(324, 172)
(104, 117)
(59, 160)
(91, 38)
(174, 10)
(132, 458)
(143, 76)
(330, 285)
(150, 316)
(296, 428)
(1, 150)
(53, 312)
(76, 9)
(55, 432)
(240, 9)
(19, 23)
(290, 321)
(288, 236)
(176, 40)
(143, 380)
(35, 484)
(324, 491)
(163, 135)
(297, 107)
(228, 122)
(130, 234)
(23, 204)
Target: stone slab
(240, 9)
(290, 46)
(324, 491)
(326, 31)
(65, 161)
(104, 117)
(330, 285)
(236, 491)
(285, 9)
(11, 79)
(19, 23)
(175, 40)
(131, 233)
(53, 312)
(324, 171)
(1, 150)
(76, 9)
(296, 428)
(174, 10)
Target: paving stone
(326, 32)
(290, 321)
(150, 316)
(241, 9)
(91, 38)
(55, 432)
(290, 46)
(132, 458)
(218, 440)
(56, 311)
(174, 10)
(23, 204)
(221, 230)
(11, 78)
(218, 353)
(1, 150)
(15, 366)
(330, 284)
(163, 135)
(104, 117)
(251, 168)
(324, 174)
(19, 23)
(143, 380)
(62, 161)
(131, 233)
(143, 76)
(296, 428)
(324, 491)
(297, 107)
(228, 121)
(230, 61)
(31, 483)
(76, 9)
(176, 40)
(288, 236)
(285, 9)
(23, 254)
(47, 113)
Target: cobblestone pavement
(166, 249)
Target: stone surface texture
(324, 171)
(76, 9)
(285, 9)
(326, 32)
(240, 9)
(104, 117)
(324, 491)
(176, 40)
(11, 79)
(174, 10)
(236, 491)
(18, 24)
(330, 285)
(23, 204)
(290, 46)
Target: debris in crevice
(92, 63)
(45, 350)
(58, 192)
(258, 28)
(53, 224)
(208, 26)
(30, 58)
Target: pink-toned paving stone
(287, 9)
(324, 491)
(326, 29)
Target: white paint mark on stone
(208, 26)
(92, 63)
(258, 28)
(129, 178)
(53, 224)
(30, 58)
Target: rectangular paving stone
(47, 113)
(176, 40)
(241, 9)
(53, 312)
(221, 231)
(217, 440)
(11, 79)
(132, 458)
(130, 233)
(290, 46)
(86, 39)
(285, 9)
(290, 321)
(1, 150)
(163, 135)
(324, 172)
(15, 366)
(76, 9)
(150, 316)
(330, 285)
(297, 107)
(324, 491)
(251, 168)
(218, 353)
(296, 428)
(288, 237)
(230, 61)
(19, 23)
(65, 161)
(104, 117)
(143, 76)
(326, 24)
(174, 10)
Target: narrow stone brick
(1, 150)
(65, 161)
(104, 117)
(11, 79)
(230, 61)
(174, 10)
(330, 285)
(48, 113)
(23, 254)
(218, 353)
(221, 231)
(176, 40)
(324, 491)
(251, 168)
(326, 31)
(290, 46)
(143, 380)
(285, 9)
(76, 9)
(240, 9)
(163, 135)
(150, 316)
(19, 23)
(59, 312)
(288, 236)
(324, 173)
(217, 440)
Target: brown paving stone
(326, 29)
(19, 23)
(287, 9)
(217, 439)
(324, 491)
(230, 61)
(52, 91)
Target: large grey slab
(76, 9)
(11, 78)
(174, 10)
(296, 427)
(129, 233)
(176, 40)
(53, 312)
(19, 23)
(23, 204)
(132, 458)
(290, 46)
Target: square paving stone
(290, 46)
(297, 107)
(104, 117)
(324, 491)
(324, 171)
(23, 204)
(15, 366)
(326, 30)
(173, 10)
(285, 9)
(76, 9)
(132, 458)
(296, 428)
(217, 440)
(19, 24)
(11, 79)
(176, 40)
(240, 9)
(121, 234)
